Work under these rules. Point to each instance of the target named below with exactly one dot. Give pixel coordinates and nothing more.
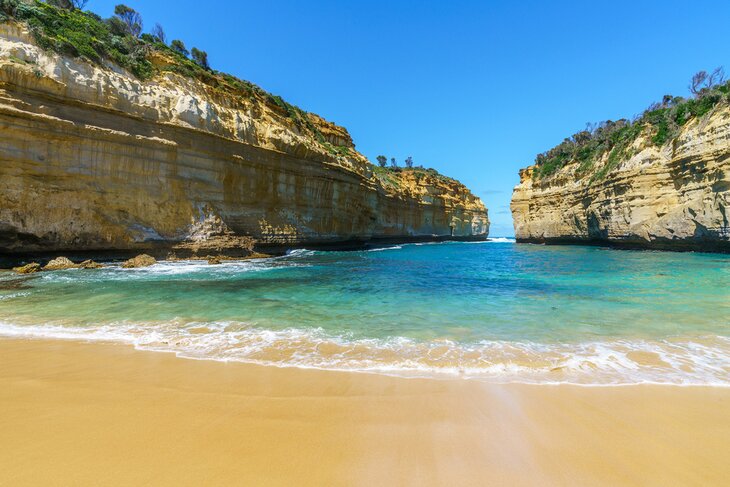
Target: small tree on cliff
(131, 18)
(393, 162)
(382, 161)
(703, 80)
(159, 32)
(200, 58)
(409, 162)
(179, 46)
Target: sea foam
(702, 361)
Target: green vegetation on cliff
(394, 176)
(61, 27)
(661, 122)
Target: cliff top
(598, 150)
(118, 42)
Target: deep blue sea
(495, 311)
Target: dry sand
(103, 414)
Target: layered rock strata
(94, 159)
(675, 197)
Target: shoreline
(707, 247)
(91, 413)
(601, 378)
(8, 260)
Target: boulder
(214, 260)
(90, 264)
(28, 268)
(142, 260)
(59, 264)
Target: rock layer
(94, 159)
(675, 197)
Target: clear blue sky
(472, 88)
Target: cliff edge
(94, 157)
(660, 182)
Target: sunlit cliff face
(672, 197)
(96, 159)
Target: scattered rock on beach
(214, 260)
(90, 264)
(142, 260)
(60, 263)
(28, 268)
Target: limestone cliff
(674, 195)
(94, 158)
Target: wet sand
(104, 414)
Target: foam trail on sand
(703, 361)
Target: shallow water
(495, 311)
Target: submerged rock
(28, 268)
(60, 263)
(90, 264)
(142, 260)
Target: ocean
(494, 311)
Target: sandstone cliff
(674, 195)
(93, 158)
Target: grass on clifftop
(391, 176)
(84, 34)
(662, 122)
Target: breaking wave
(701, 361)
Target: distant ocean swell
(700, 361)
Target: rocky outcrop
(142, 260)
(31, 268)
(90, 264)
(94, 159)
(674, 197)
(59, 264)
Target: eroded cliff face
(675, 197)
(94, 159)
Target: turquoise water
(496, 311)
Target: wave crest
(697, 361)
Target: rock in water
(60, 263)
(214, 260)
(90, 264)
(28, 268)
(142, 260)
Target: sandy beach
(104, 414)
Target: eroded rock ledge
(95, 160)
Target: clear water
(495, 311)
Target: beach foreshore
(106, 414)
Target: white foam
(300, 253)
(501, 240)
(700, 361)
(380, 249)
(13, 295)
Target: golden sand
(98, 414)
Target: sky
(474, 89)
